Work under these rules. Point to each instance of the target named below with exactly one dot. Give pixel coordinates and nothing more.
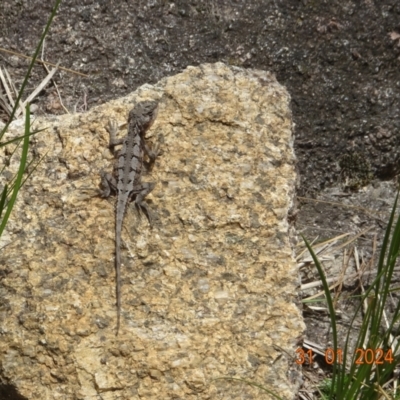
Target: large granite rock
(209, 292)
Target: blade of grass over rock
(12, 181)
(45, 63)
(34, 168)
(20, 137)
(20, 173)
(16, 185)
(3, 199)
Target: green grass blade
(393, 251)
(385, 243)
(7, 163)
(20, 137)
(365, 379)
(12, 181)
(20, 173)
(3, 199)
(33, 169)
(331, 312)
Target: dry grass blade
(11, 83)
(311, 285)
(325, 245)
(5, 82)
(329, 245)
(354, 238)
(8, 102)
(54, 82)
(44, 82)
(321, 293)
(44, 62)
(339, 282)
(4, 105)
(316, 348)
(367, 211)
(58, 92)
(322, 244)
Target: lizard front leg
(112, 129)
(152, 153)
(108, 182)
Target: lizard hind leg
(144, 209)
(141, 192)
(108, 184)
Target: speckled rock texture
(208, 292)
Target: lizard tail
(118, 230)
(118, 279)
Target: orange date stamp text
(362, 356)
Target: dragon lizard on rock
(126, 182)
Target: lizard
(126, 182)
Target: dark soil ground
(339, 59)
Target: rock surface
(208, 292)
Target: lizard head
(144, 114)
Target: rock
(208, 292)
